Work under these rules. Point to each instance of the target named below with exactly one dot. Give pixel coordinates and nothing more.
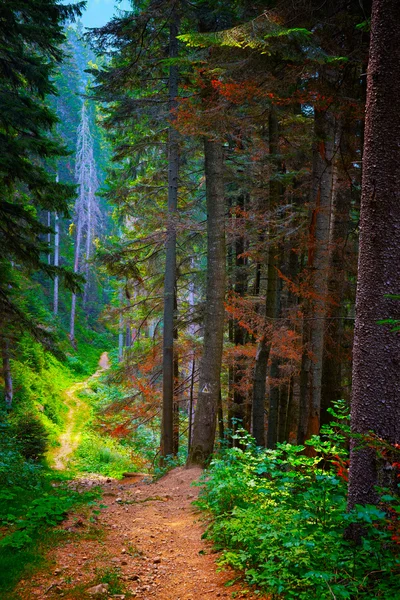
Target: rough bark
(210, 368)
(167, 425)
(318, 263)
(376, 371)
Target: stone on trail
(98, 590)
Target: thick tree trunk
(8, 383)
(167, 426)
(318, 263)
(210, 368)
(376, 371)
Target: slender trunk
(8, 383)
(264, 345)
(121, 326)
(337, 281)
(376, 375)
(89, 226)
(167, 426)
(293, 414)
(76, 270)
(210, 368)
(49, 237)
(238, 408)
(318, 263)
(192, 371)
(56, 260)
(176, 386)
(221, 430)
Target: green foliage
(104, 455)
(14, 468)
(32, 436)
(280, 517)
(29, 510)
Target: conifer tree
(31, 35)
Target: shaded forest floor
(145, 543)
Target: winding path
(69, 439)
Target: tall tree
(375, 404)
(31, 34)
(87, 213)
(210, 367)
(170, 301)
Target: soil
(150, 535)
(146, 542)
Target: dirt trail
(152, 540)
(69, 439)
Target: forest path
(77, 412)
(145, 544)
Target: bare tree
(87, 216)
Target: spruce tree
(31, 33)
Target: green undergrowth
(101, 449)
(31, 510)
(279, 517)
(40, 379)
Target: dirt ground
(151, 540)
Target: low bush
(31, 436)
(280, 517)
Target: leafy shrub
(32, 436)
(14, 468)
(279, 516)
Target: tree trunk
(56, 260)
(49, 238)
(8, 383)
(264, 345)
(76, 270)
(318, 263)
(167, 425)
(376, 374)
(337, 279)
(89, 226)
(121, 326)
(210, 368)
(238, 407)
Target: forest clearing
(200, 299)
